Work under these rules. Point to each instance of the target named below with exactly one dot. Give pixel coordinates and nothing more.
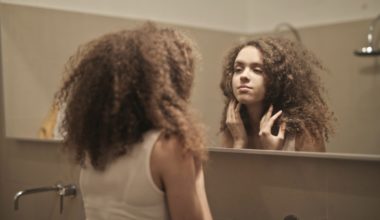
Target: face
(248, 81)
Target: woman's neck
(255, 113)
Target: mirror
(36, 43)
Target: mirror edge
(303, 154)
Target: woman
(273, 97)
(127, 122)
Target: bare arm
(182, 181)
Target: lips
(244, 87)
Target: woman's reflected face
(248, 81)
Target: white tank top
(125, 190)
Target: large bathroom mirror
(36, 42)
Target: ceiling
(245, 16)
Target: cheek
(234, 84)
(261, 83)
(263, 86)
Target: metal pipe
(32, 191)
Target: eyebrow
(243, 63)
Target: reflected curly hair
(123, 84)
(293, 85)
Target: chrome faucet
(68, 190)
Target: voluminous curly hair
(124, 84)
(293, 85)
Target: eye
(238, 69)
(258, 70)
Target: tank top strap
(150, 139)
(290, 144)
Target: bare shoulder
(226, 139)
(306, 142)
(170, 148)
(169, 156)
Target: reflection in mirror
(36, 42)
(282, 28)
(43, 39)
(50, 127)
(371, 49)
(273, 97)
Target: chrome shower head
(367, 51)
(370, 50)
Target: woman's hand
(267, 139)
(235, 125)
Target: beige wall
(353, 84)
(247, 186)
(239, 186)
(29, 164)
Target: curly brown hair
(293, 86)
(123, 84)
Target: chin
(248, 100)
(245, 101)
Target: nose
(244, 75)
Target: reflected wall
(37, 42)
